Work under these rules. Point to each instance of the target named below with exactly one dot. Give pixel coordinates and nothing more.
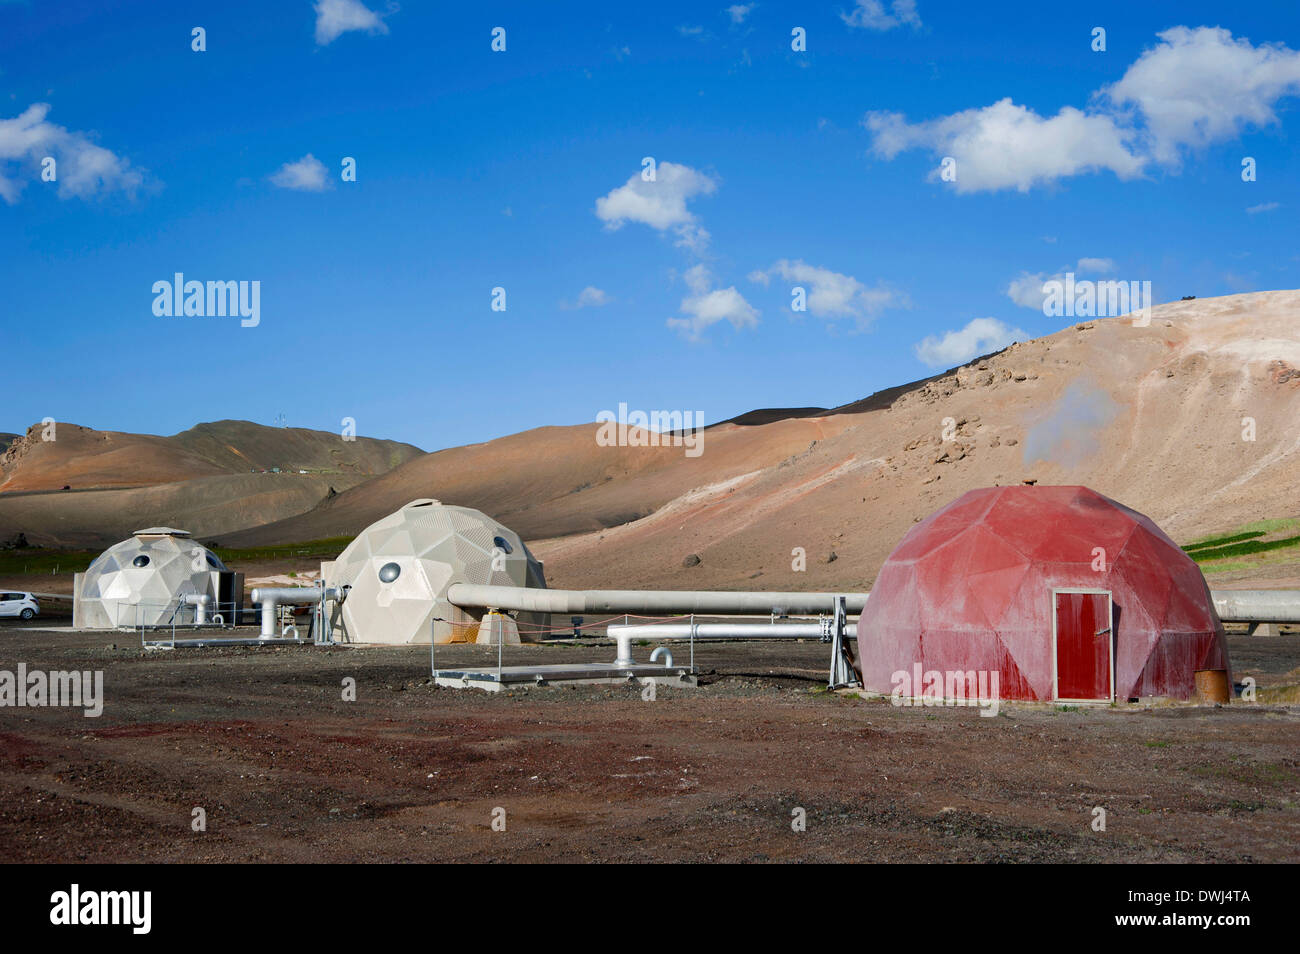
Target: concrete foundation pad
(566, 674)
(214, 642)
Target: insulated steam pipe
(648, 602)
(272, 596)
(200, 603)
(1263, 606)
(722, 631)
(1257, 606)
(201, 611)
(623, 634)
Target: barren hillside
(1154, 416)
(555, 481)
(1191, 419)
(84, 458)
(210, 479)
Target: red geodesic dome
(977, 586)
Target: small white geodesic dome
(139, 581)
(399, 569)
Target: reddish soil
(288, 771)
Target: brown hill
(1152, 416)
(1158, 417)
(81, 457)
(554, 481)
(208, 507)
(209, 479)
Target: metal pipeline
(1278, 606)
(722, 630)
(273, 596)
(623, 634)
(648, 602)
(1257, 606)
(200, 603)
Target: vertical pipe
(692, 644)
(624, 653)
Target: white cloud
(1027, 290)
(1199, 86)
(833, 294)
(1005, 146)
(871, 15)
(980, 336)
(1196, 87)
(82, 167)
(706, 306)
(307, 175)
(660, 204)
(336, 17)
(1263, 207)
(690, 30)
(738, 12)
(589, 297)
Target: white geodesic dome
(399, 568)
(140, 581)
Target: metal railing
(176, 614)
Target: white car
(19, 604)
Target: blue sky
(522, 169)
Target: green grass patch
(32, 560)
(1221, 541)
(326, 549)
(1276, 525)
(1245, 548)
(1249, 546)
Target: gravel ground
(286, 770)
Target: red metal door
(1083, 646)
